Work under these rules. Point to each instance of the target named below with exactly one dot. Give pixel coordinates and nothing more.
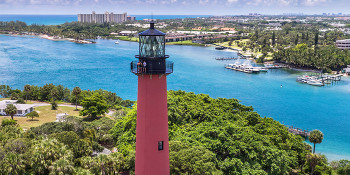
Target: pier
(319, 79)
(298, 131)
(226, 58)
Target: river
(105, 65)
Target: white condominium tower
(102, 18)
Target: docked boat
(305, 78)
(263, 69)
(220, 48)
(315, 83)
(256, 69)
(248, 70)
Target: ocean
(105, 65)
(61, 19)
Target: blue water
(40, 19)
(28, 60)
(61, 19)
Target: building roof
(22, 107)
(152, 31)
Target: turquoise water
(60, 19)
(40, 19)
(27, 60)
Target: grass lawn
(187, 42)
(45, 115)
(4, 99)
(126, 38)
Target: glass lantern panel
(152, 46)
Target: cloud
(283, 2)
(203, 2)
(314, 2)
(232, 1)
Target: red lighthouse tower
(152, 145)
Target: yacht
(117, 42)
(220, 48)
(263, 69)
(315, 82)
(256, 69)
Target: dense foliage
(342, 167)
(300, 45)
(325, 58)
(52, 93)
(71, 147)
(220, 136)
(74, 30)
(207, 136)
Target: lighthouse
(152, 142)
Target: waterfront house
(343, 44)
(22, 109)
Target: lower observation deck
(152, 67)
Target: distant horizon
(175, 7)
(284, 14)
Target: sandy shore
(57, 38)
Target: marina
(247, 67)
(319, 80)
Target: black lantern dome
(152, 53)
(152, 44)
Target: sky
(175, 7)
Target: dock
(319, 79)
(298, 131)
(226, 58)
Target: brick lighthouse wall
(152, 126)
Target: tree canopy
(94, 106)
(234, 138)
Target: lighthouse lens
(152, 46)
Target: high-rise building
(102, 18)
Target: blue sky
(174, 7)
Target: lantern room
(152, 53)
(151, 43)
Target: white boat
(305, 78)
(256, 70)
(117, 42)
(315, 83)
(231, 66)
(263, 69)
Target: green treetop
(316, 136)
(94, 106)
(11, 110)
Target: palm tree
(27, 89)
(316, 136)
(11, 110)
(313, 161)
(76, 92)
(54, 95)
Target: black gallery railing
(152, 67)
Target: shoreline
(238, 51)
(48, 37)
